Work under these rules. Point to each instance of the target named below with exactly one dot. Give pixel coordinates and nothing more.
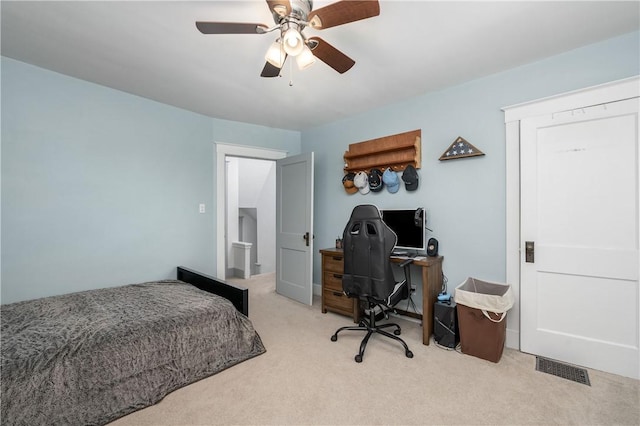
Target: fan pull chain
(290, 73)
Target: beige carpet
(304, 378)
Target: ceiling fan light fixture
(305, 59)
(293, 42)
(276, 54)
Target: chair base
(369, 325)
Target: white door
(579, 208)
(294, 227)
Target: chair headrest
(365, 211)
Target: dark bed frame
(239, 296)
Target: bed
(91, 357)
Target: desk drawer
(338, 300)
(332, 281)
(333, 263)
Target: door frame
(574, 100)
(222, 151)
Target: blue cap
(390, 179)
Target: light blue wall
(465, 198)
(101, 188)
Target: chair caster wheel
(334, 338)
(409, 354)
(397, 332)
(359, 358)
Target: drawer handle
(339, 276)
(337, 257)
(336, 293)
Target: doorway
(250, 216)
(224, 152)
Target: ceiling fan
(291, 17)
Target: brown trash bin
(482, 310)
(479, 336)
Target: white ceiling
(152, 49)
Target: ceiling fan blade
(270, 70)
(280, 7)
(331, 56)
(343, 12)
(230, 28)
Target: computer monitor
(409, 226)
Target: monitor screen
(409, 226)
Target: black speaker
(445, 324)
(432, 247)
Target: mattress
(93, 356)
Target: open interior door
(294, 227)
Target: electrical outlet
(201, 208)
(413, 288)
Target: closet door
(579, 237)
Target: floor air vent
(565, 371)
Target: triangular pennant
(460, 148)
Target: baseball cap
(361, 181)
(390, 179)
(347, 182)
(375, 180)
(410, 178)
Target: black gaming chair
(368, 275)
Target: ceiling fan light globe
(292, 42)
(276, 54)
(305, 59)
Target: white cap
(361, 181)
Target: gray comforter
(94, 356)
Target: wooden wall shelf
(396, 151)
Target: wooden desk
(333, 300)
